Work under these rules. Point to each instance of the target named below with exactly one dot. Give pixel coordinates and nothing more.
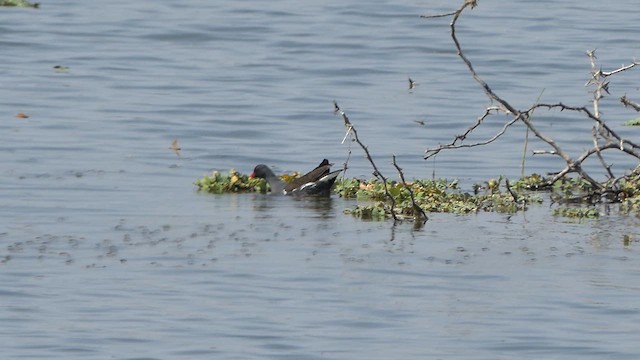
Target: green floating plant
(19, 3)
(577, 197)
(375, 212)
(233, 182)
(431, 196)
(577, 212)
(632, 122)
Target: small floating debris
(61, 68)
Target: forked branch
(353, 134)
(603, 136)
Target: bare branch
(543, 152)
(626, 102)
(513, 194)
(604, 127)
(432, 152)
(419, 213)
(438, 16)
(604, 138)
(596, 147)
(505, 106)
(621, 69)
(472, 3)
(351, 131)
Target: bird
(316, 182)
(412, 84)
(175, 147)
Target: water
(106, 251)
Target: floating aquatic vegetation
(632, 122)
(233, 182)
(19, 3)
(431, 196)
(375, 212)
(577, 212)
(574, 196)
(630, 204)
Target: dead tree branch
(459, 138)
(628, 103)
(604, 138)
(353, 134)
(420, 215)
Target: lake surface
(106, 250)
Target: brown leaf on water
(22, 115)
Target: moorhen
(316, 182)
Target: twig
(351, 131)
(479, 121)
(543, 152)
(576, 165)
(526, 140)
(590, 115)
(626, 102)
(438, 15)
(419, 214)
(596, 147)
(513, 194)
(345, 165)
(621, 69)
(432, 152)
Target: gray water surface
(106, 250)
